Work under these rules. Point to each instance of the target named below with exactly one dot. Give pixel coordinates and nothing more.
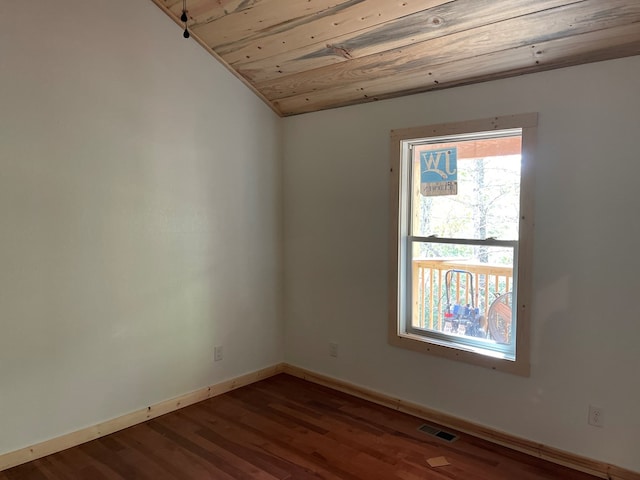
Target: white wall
(586, 320)
(140, 226)
(140, 217)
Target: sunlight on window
(459, 225)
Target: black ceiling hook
(184, 19)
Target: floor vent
(436, 432)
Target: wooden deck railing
(430, 289)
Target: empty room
(319, 239)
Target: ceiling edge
(176, 20)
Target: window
(461, 240)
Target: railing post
(415, 291)
(431, 291)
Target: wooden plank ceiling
(307, 55)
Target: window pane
(463, 291)
(485, 200)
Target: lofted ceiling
(307, 55)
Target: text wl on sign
(439, 172)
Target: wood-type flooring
(286, 428)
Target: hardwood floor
(285, 428)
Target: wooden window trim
(528, 123)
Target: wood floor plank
(285, 428)
(315, 445)
(180, 432)
(273, 445)
(175, 459)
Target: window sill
(464, 353)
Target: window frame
(400, 297)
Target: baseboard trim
(576, 462)
(57, 444)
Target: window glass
(461, 242)
(486, 203)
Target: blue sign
(439, 172)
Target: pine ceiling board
(264, 16)
(322, 28)
(355, 62)
(203, 11)
(542, 26)
(171, 3)
(592, 46)
(435, 22)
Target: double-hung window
(461, 239)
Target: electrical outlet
(217, 353)
(596, 416)
(333, 349)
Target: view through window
(461, 240)
(464, 234)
